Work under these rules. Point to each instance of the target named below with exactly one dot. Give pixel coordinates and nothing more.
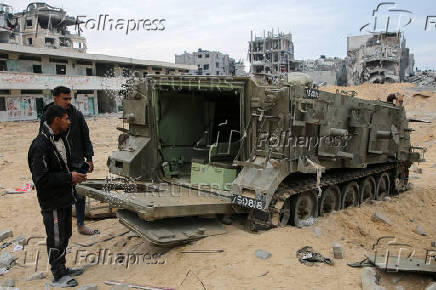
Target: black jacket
(50, 174)
(77, 136)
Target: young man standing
(81, 147)
(49, 160)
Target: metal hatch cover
(171, 231)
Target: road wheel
(367, 189)
(383, 186)
(330, 200)
(350, 195)
(303, 206)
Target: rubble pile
(424, 79)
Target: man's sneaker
(64, 282)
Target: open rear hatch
(161, 215)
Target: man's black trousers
(58, 226)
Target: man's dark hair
(391, 98)
(61, 90)
(52, 112)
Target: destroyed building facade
(378, 58)
(213, 63)
(38, 53)
(271, 53)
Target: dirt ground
(236, 267)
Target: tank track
(258, 219)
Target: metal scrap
(308, 256)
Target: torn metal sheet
(399, 264)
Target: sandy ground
(236, 267)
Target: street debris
(308, 256)
(7, 261)
(317, 232)
(20, 240)
(264, 274)
(5, 234)
(338, 251)
(424, 79)
(88, 287)
(262, 254)
(114, 283)
(29, 186)
(369, 279)
(379, 217)
(9, 283)
(201, 251)
(37, 276)
(420, 231)
(431, 286)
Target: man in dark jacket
(49, 160)
(81, 147)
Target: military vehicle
(280, 150)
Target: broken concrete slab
(6, 260)
(420, 231)
(338, 251)
(379, 217)
(369, 279)
(37, 276)
(5, 234)
(88, 287)
(9, 283)
(262, 254)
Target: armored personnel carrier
(280, 150)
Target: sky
(317, 28)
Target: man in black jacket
(81, 147)
(49, 160)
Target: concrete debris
(378, 217)
(88, 287)
(5, 234)
(431, 286)
(387, 198)
(317, 232)
(424, 79)
(6, 260)
(227, 220)
(369, 279)
(420, 231)
(262, 254)
(20, 240)
(37, 276)
(9, 283)
(338, 251)
(400, 288)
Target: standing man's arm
(87, 144)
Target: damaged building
(271, 53)
(324, 70)
(378, 58)
(213, 63)
(38, 53)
